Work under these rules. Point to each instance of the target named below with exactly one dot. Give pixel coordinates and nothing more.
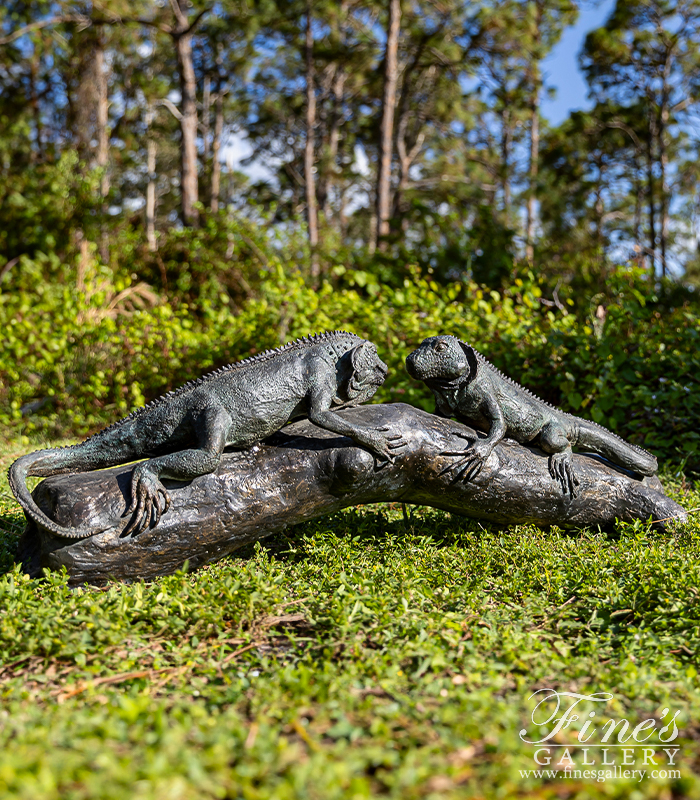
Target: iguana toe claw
(561, 470)
(572, 480)
(464, 473)
(471, 461)
(146, 507)
(467, 468)
(156, 509)
(134, 502)
(475, 470)
(138, 520)
(166, 498)
(449, 467)
(472, 469)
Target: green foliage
(482, 252)
(75, 360)
(42, 207)
(632, 366)
(90, 147)
(218, 263)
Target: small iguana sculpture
(183, 433)
(468, 387)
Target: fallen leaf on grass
(63, 694)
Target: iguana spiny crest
(183, 433)
(467, 386)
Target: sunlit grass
(362, 655)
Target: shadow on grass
(373, 527)
(11, 528)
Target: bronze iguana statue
(468, 387)
(183, 433)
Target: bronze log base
(305, 472)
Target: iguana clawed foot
(471, 462)
(386, 447)
(146, 505)
(561, 469)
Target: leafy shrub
(77, 358)
(219, 263)
(43, 206)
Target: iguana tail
(43, 463)
(601, 441)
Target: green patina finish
(466, 386)
(184, 433)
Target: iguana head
(360, 372)
(441, 360)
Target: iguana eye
(440, 346)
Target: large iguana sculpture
(467, 386)
(184, 433)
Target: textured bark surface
(306, 472)
(189, 186)
(386, 135)
(309, 148)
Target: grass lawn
(357, 656)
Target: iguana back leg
(212, 429)
(553, 440)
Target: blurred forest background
(407, 184)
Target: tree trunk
(102, 154)
(372, 239)
(325, 187)
(651, 193)
(327, 181)
(506, 140)
(218, 133)
(533, 170)
(407, 152)
(342, 216)
(216, 149)
(532, 174)
(663, 163)
(391, 76)
(305, 472)
(151, 183)
(189, 188)
(638, 202)
(37, 153)
(102, 117)
(206, 118)
(88, 108)
(309, 177)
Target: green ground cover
(364, 654)
(361, 655)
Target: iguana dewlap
(184, 433)
(468, 387)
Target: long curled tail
(603, 442)
(42, 464)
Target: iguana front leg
(553, 440)
(319, 412)
(473, 457)
(211, 427)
